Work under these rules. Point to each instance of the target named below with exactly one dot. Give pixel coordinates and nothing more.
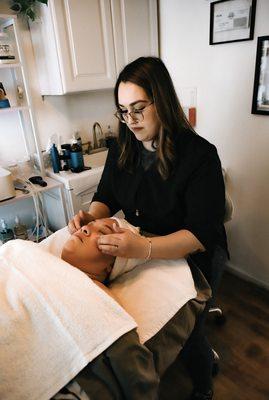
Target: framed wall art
(260, 101)
(231, 21)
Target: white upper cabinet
(135, 30)
(81, 45)
(73, 45)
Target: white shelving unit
(10, 65)
(12, 109)
(21, 115)
(52, 201)
(22, 106)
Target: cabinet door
(135, 29)
(80, 52)
(81, 201)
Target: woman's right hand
(80, 219)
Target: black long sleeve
(192, 198)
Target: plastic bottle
(66, 149)
(55, 159)
(6, 234)
(77, 137)
(20, 230)
(77, 162)
(36, 233)
(109, 136)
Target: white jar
(6, 47)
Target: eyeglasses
(137, 114)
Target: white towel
(151, 292)
(53, 321)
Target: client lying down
(81, 251)
(55, 320)
(139, 284)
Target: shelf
(10, 65)
(7, 20)
(15, 73)
(13, 109)
(21, 196)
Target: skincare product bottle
(6, 234)
(66, 149)
(77, 137)
(77, 162)
(109, 136)
(55, 158)
(20, 230)
(36, 233)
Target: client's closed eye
(106, 229)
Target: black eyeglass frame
(119, 114)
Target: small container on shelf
(20, 230)
(4, 102)
(6, 233)
(7, 54)
(7, 190)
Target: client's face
(82, 252)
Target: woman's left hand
(123, 243)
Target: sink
(96, 159)
(98, 150)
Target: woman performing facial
(168, 181)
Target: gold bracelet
(150, 249)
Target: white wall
(223, 75)
(54, 114)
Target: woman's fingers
(109, 244)
(78, 222)
(71, 227)
(109, 249)
(103, 227)
(108, 240)
(124, 244)
(80, 219)
(85, 217)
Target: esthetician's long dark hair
(151, 74)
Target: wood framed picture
(231, 21)
(260, 101)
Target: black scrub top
(192, 198)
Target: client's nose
(86, 230)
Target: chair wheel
(220, 320)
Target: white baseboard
(241, 274)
